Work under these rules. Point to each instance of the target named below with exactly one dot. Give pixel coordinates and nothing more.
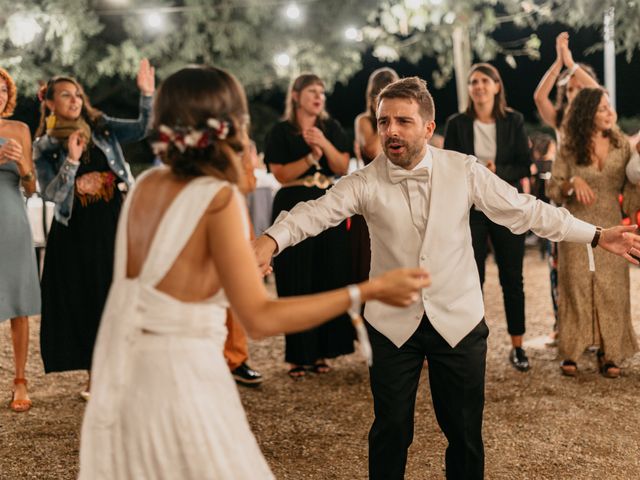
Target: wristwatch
(596, 237)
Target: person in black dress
(303, 152)
(495, 134)
(82, 169)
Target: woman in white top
(164, 403)
(495, 134)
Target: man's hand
(264, 248)
(622, 240)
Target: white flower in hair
(221, 128)
(192, 138)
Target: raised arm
(262, 316)
(541, 96)
(125, 130)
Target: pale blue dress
(19, 285)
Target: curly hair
(561, 91)
(187, 99)
(579, 127)
(12, 93)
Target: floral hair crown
(187, 137)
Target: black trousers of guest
(456, 378)
(509, 253)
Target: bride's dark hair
(187, 100)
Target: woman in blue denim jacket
(82, 169)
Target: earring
(51, 121)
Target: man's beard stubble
(412, 152)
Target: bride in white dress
(164, 405)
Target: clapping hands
(315, 138)
(11, 151)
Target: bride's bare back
(193, 277)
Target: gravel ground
(538, 425)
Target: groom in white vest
(416, 201)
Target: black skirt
(77, 274)
(315, 265)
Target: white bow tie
(398, 174)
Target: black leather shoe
(246, 376)
(519, 359)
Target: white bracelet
(571, 71)
(312, 162)
(356, 300)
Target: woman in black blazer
(495, 133)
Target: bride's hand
(400, 287)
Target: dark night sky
(346, 101)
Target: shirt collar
(427, 160)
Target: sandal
(19, 405)
(569, 368)
(321, 367)
(607, 369)
(297, 372)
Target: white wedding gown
(163, 402)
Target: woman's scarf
(62, 129)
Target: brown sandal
(607, 369)
(569, 368)
(22, 405)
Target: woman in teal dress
(19, 287)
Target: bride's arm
(261, 316)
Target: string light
(282, 60)
(292, 12)
(352, 33)
(154, 20)
(22, 29)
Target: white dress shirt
(453, 302)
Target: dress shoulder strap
(177, 227)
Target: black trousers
(456, 378)
(509, 252)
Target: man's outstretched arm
(308, 219)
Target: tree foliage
(94, 40)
